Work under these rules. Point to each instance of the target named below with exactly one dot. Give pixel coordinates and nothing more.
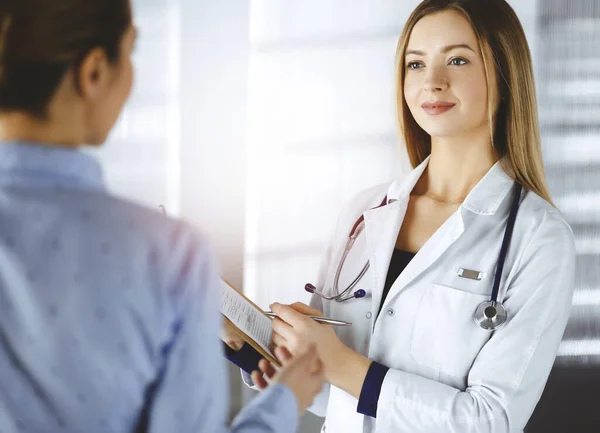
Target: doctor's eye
(458, 61)
(414, 65)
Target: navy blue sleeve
(246, 358)
(369, 394)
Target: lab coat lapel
(382, 226)
(381, 229)
(429, 253)
(484, 199)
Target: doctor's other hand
(303, 374)
(230, 337)
(266, 371)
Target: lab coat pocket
(445, 337)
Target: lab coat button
(369, 315)
(391, 312)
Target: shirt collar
(29, 161)
(484, 198)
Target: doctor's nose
(435, 81)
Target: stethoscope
(357, 228)
(489, 315)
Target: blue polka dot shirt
(108, 311)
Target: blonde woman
(459, 314)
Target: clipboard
(244, 336)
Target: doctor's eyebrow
(445, 50)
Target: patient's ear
(93, 75)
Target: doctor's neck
(456, 166)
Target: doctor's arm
(507, 377)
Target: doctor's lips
(435, 108)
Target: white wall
(215, 49)
(214, 70)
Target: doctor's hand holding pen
(295, 330)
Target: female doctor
(458, 278)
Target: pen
(318, 319)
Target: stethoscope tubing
(510, 225)
(338, 272)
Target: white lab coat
(447, 375)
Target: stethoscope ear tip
(310, 288)
(360, 293)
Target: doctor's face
(445, 81)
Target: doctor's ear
(93, 74)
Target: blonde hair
(515, 126)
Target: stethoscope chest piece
(490, 315)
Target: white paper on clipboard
(246, 316)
